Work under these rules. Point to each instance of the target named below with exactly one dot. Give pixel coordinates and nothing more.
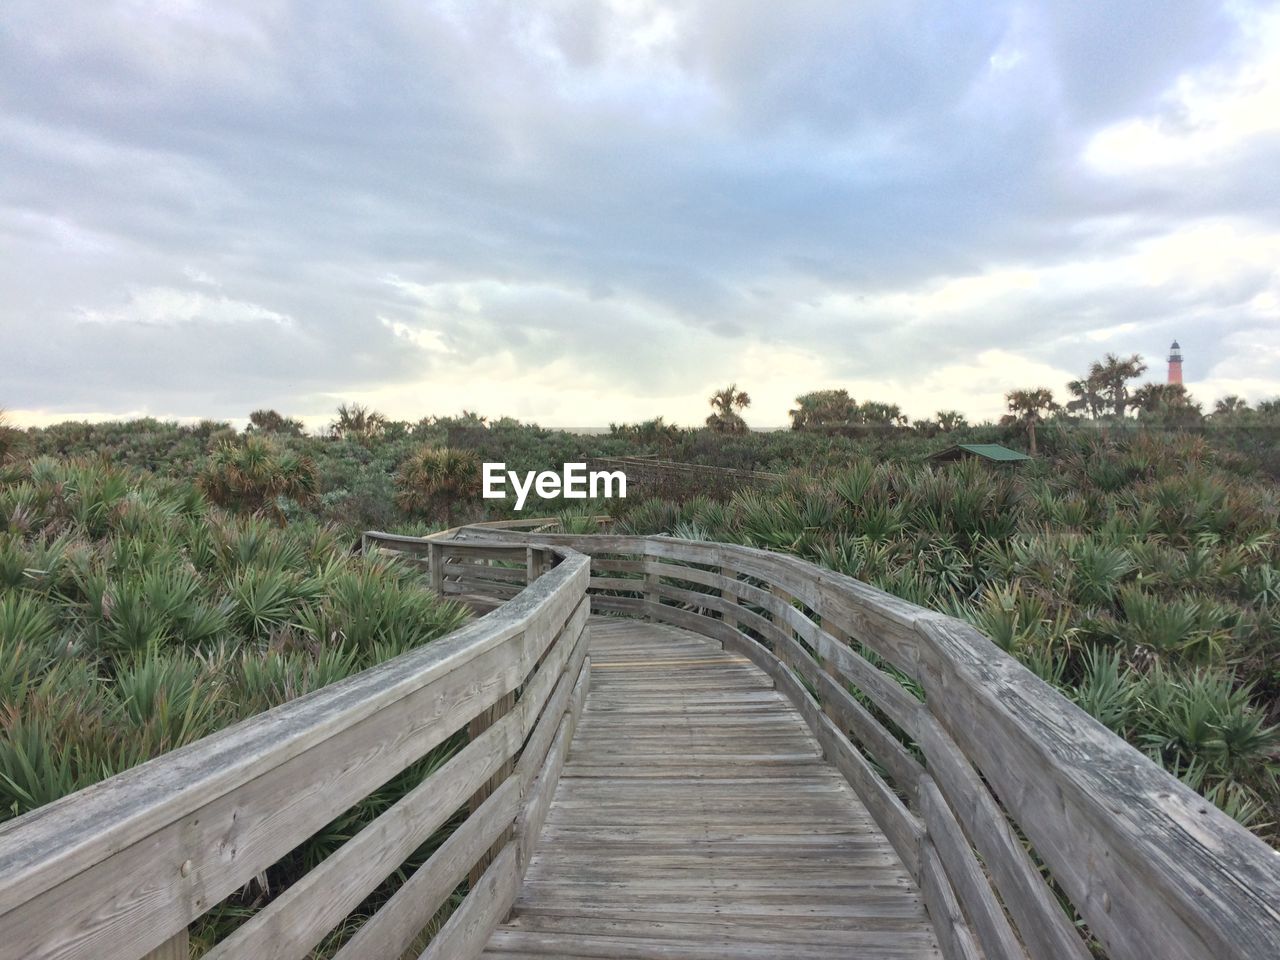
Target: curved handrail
(959, 752)
(121, 867)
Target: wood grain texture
(1155, 869)
(695, 817)
(983, 912)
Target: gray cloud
(202, 207)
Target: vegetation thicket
(1134, 562)
(725, 405)
(136, 617)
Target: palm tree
(256, 476)
(881, 414)
(269, 421)
(433, 479)
(1087, 399)
(357, 423)
(1230, 405)
(1110, 378)
(823, 409)
(1025, 408)
(9, 438)
(725, 405)
(1165, 401)
(949, 420)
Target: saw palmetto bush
(136, 617)
(1141, 575)
(436, 481)
(257, 476)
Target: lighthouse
(1175, 363)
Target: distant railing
(651, 477)
(117, 871)
(976, 770)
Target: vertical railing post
(485, 720)
(730, 595)
(650, 589)
(435, 566)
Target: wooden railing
(1001, 797)
(119, 870)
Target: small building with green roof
(986, 451)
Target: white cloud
(170, 307)
(1206, 117)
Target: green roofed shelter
(987, 451)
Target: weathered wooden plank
(985, 916)
(731, 844)
(1155, 869)
(901, 827)
(534, 812)
(223, 843)
(177, 947)
(1045, 928)
(302, 915)
(465, 932)
(841, 707)
(482, 572)
(631, 585)
(948, 921)
(390, 931)
(116, 869)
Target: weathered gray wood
(435, 555)
(695, 818)
(475, 730)
(177, 947)
(1044, 926)
(236, 834)
(983, 912)
(390, 931)
(1247, 880)
(1155, 869)
(301, 916)
(954, 935)
(898, 704)
(902, 828)
(842, 708)
(464, 934)
(729, 591)
(534, 812)
(617, 583)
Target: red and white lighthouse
(1175, 363)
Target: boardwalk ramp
(696, 817)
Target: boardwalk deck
(696, 819)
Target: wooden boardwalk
(696, 819)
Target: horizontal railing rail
(982, 776)
(119, 870)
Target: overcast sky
(581, 212)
